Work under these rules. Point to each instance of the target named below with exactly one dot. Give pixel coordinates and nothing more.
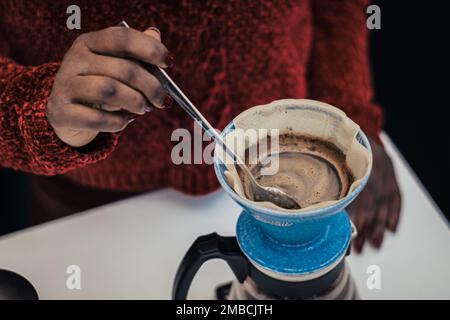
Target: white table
(131, 249)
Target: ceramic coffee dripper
(292, 255)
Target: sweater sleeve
(27, 141)
(339, 70)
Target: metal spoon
(260, 193)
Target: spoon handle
(183, 101)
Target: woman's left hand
(377, 208)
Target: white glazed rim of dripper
(318, 212)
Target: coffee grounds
(310, 170)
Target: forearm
(27, 141)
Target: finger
(154, 32)
(360, 220)
(359, 217)
(377, 232)
(377, 236)
(395, 208)
(368, 208)
(108, 91)
(358, 243)
(130, 73)
(81, 117)
(127, 42)
(366, 215)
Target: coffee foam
(305, 118)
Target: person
(80, 112)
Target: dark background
(410, 67)
(410, 60)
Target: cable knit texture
(230, 55)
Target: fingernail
(394, 226)
(131, 120)
(148, 109)
(168, 102)
(155, 29)
(359, 244)
(169, 60)
(393, 223)
(391, 226)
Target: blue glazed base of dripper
(329, 246)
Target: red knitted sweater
(230, 55)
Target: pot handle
(211, 246)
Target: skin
(102, 68)
(377, 208)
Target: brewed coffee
(310, 170)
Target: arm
(339, 67)
(27, 141)
(49, 124)
(340, 75)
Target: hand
(101, 88)
(377, 208)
